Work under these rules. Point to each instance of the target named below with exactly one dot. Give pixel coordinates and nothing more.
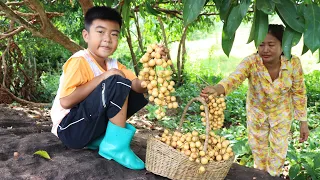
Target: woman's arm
(299, 98)
(231, 82)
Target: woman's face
(270, 49)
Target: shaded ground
(27, 130)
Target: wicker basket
(166, 161)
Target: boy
(97, 94)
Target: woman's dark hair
(276, 30)
(101, 12)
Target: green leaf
(261, 27)
(125, 11)
(142, 11)
(227, 41)
(290, 39)
(301, 176)
(225, 9)
(277, 1)
(253, 28)
(236, 15)
(43, 154)
(317, 161)
(218, 3)
(294, 170)
(312, 30)
(191, 10)
(305, 49)
(266, 6)
(109, 2)
(292, 156)
(151, 10)
(309, 169)
(287, 11)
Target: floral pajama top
(284, 97)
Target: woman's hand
(304, 131)
(207, 91)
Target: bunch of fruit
(192, 145)
(216, 105)
(156, 77)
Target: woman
(275, 96)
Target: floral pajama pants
(269, 142)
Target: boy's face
(102, 38)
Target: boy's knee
(116, 72)
(115, 79)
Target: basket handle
(207, 118)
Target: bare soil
(26, 130)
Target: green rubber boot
(94, 145)
(116, 145)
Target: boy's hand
(111, 72)
(136, 86)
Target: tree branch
(49, 14)
(136, 21)
(85, 5)
(13, 16)
(22, 101)
(11, 33)
(37, 7)
(165, 41)
(133, 56)
(14, 3)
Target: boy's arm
(82, 91)
(136, 86)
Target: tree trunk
(4, 64)
(183, 58)
(136, 21)
(179, 60)
(166, 42)
(133, 56)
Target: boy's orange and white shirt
(284, 98)
(78, 70)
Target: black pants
(88, 120)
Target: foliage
(312, 83)
(48, 86)
(299, 17)
(43, 154)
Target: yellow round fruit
(175, 105)
(201, 170)
(226, 156)
(143, 84)
(218, 157)
(204, 160)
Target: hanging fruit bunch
(216, 105)
(192, 145)
(156, 76)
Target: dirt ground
(26, 130)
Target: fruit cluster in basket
(156, 76)
(192, 145)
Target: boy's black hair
(101, 12)
(276, 30)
